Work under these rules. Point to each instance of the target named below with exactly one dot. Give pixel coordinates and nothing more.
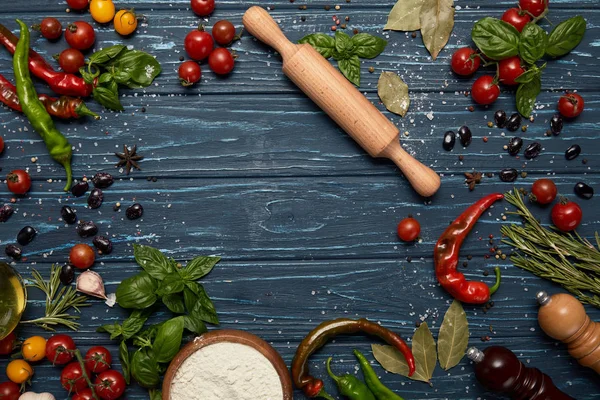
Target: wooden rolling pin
(563, 318)
(327, 87)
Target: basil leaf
(115, 330)
(202, 308)
(125, 365)
(107, 54)
(531, 73)
(174, 302)
(526, 95)
(344, 47)
(144, 368)
(88, 77)
(137, 291)
(141, 67)
(135, 322)
(194, 324)
(105, 78)
(565, 36)
(200, 266)
(172, 283)
(532, 43)
(153, 261)
(368, 46)
(351, 69)
(321, 42)
(108, 98)
(168, 340)
(496, 39)
(155, 394)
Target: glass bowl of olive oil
(13, 298)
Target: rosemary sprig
(58, 301)
(563, 258)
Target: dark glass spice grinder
(498, 369)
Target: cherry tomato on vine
(543, 191)
(110, 385)
(80, 35)
(82, 256)
(485, 90)
(570, 105)
(516, 18)
(8, 344)
(223, 32)
(70, 60)
(9, 391)
(535, 7)
(19, 371)
(465, 61)
(50, 28)
(102, 11)
(198, 44)
(189, 73)
(510, 69)
(59, 349)
(18, 181)
(85, 394)
(78, 4)
(71, 377)
(125, 22)
(34, 349)
(221, 61)
(409, 229)
(203, 8)
(566, 215)
(98, 359)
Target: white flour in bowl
(226, 371)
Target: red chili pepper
(60, 82)
(445, 255)
(64, 107)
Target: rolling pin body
(335, 95)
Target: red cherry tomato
(409, 229)
(566, 215)
(510, 69)
(543, 191)
(203, 8)
(223, 31)
(1, 144)
(189, 73)
(110, 385)
(516, 18)
(70, 60)
(98, 359)
(465, 61)
(198, 44)
(221, 61)
(80, 35)
(7, 345)
(78, 4)
(485, 90)
(59, 349)
(71, 377)
(18, 181)
(535, 7)
(9, 391)
(51, 28)
(82, 256)
(570, 105)
(85, 394)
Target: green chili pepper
(350, 386)
(380, 391)
(58, 146)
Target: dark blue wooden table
(249, 169)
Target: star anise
(473, 178)
(129, 159)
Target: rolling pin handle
(262, 26)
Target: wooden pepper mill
(563, 317)
(498, 369)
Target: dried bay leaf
(393, 92)
(453, 338)
(437, 21)
(405, 16)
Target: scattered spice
(129, 159)
(472, 179)
(490, 124)
(471, 108)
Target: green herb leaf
(105, 78)
(351, 69)
(453, 338)
(527, 94)
(141, 67)
(125, 364)
(200, 266)
(437, 22)
(135, 322)
(168, 340)
(108, 98)
(531, 73)
(153, 261)
(144, 368)
(405, 16)
(105, 55)
(495, 38)
(532, 43)
(137, 291)
(344, 46)
(566, 36)
(174, 302)
(115, 330)
(201, 305)
(194, 324)
(155, 394)
(173, 283)
(321, 42)
(393, 92)
(368, 46)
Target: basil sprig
(346, 50)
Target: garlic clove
(36, 396)
(90, 283)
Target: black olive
(508, 175)
(514, 122)
(103, 244)
(514, 145)
(79, 189)
(584, 191)
(500, 118)
(556, 124)
(87, 229)
(67, 274)
(102, 180)
(5, 212)
(26, 235)
(95, 198)
(572, 152)
(68, 214)
(13, 251)
(449, 140)
(135, 211)
(465, 136)
(533, 150)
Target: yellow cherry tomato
(125, 22)
(34, 348)
(102, 11)
(19, 371)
